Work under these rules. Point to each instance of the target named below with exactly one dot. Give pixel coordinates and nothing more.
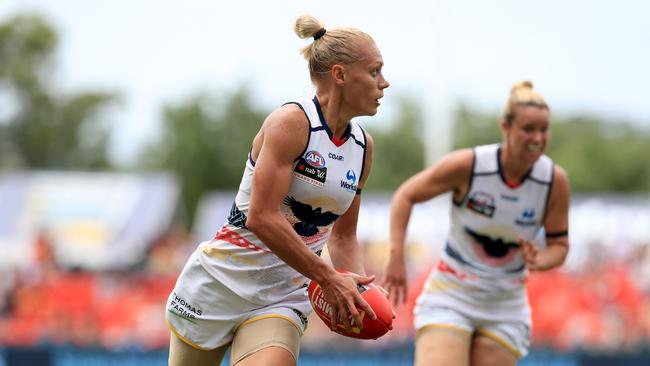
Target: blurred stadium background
(89, 250)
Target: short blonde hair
(522, 94)
(330, 46)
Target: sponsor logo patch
(307, 171)
(349, 183)
(527, 218)
(509, 198)
(335, 157)
(302, 317)
(315, 159)
(183, 309)
(481, 203)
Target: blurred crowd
(602, 306)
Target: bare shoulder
(286, 129)
(560, 182)
(288, 118)
(559, 174)
(458, 162)
(370, 142)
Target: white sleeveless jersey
(324, 183)
(485, 225)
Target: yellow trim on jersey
(512, 349)
(182, 338)
(441, 285)
(261, 317)
(450, 327)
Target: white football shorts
(205, 313)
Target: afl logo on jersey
(481, 203)
(315, 159)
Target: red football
(372, 329)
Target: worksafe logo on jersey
(350, 181)
(481, 203)
(315, 159)
(527, 218)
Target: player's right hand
(342, 294)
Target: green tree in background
(205, 142)
(41, 127)
(206, 139)
(598, 155)
(399, 150)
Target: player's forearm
(345, 253)
(553, 256)
(399, 218)
(283, 241)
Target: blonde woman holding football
(473, 309)
(246, 288)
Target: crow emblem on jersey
(494, 247)
(310, 218)
(481, 203)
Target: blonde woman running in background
(473, 309)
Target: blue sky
(583, 56)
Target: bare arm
(282, 138)
(451, 173)
(280, 141)
(556, 226)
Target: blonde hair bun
(525, 84)
(522, 93)
(307, 26)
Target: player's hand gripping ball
(372, 329)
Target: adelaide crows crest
(310, 218)
(495, 247)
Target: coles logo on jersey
(527, 218)
(315, 159)
(311, 169)
(349, 184)
(481, 203)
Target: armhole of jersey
(548, 193)
(250, 156)
(469, 184)
(365, 148)
(308, 130)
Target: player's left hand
(531, 255)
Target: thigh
(442, 345)
(443, 337)
(500, 343)
(266, 340)
(487, 351)
(182, 354)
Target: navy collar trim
(324, 124)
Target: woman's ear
(338, 74)
(504, 125)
